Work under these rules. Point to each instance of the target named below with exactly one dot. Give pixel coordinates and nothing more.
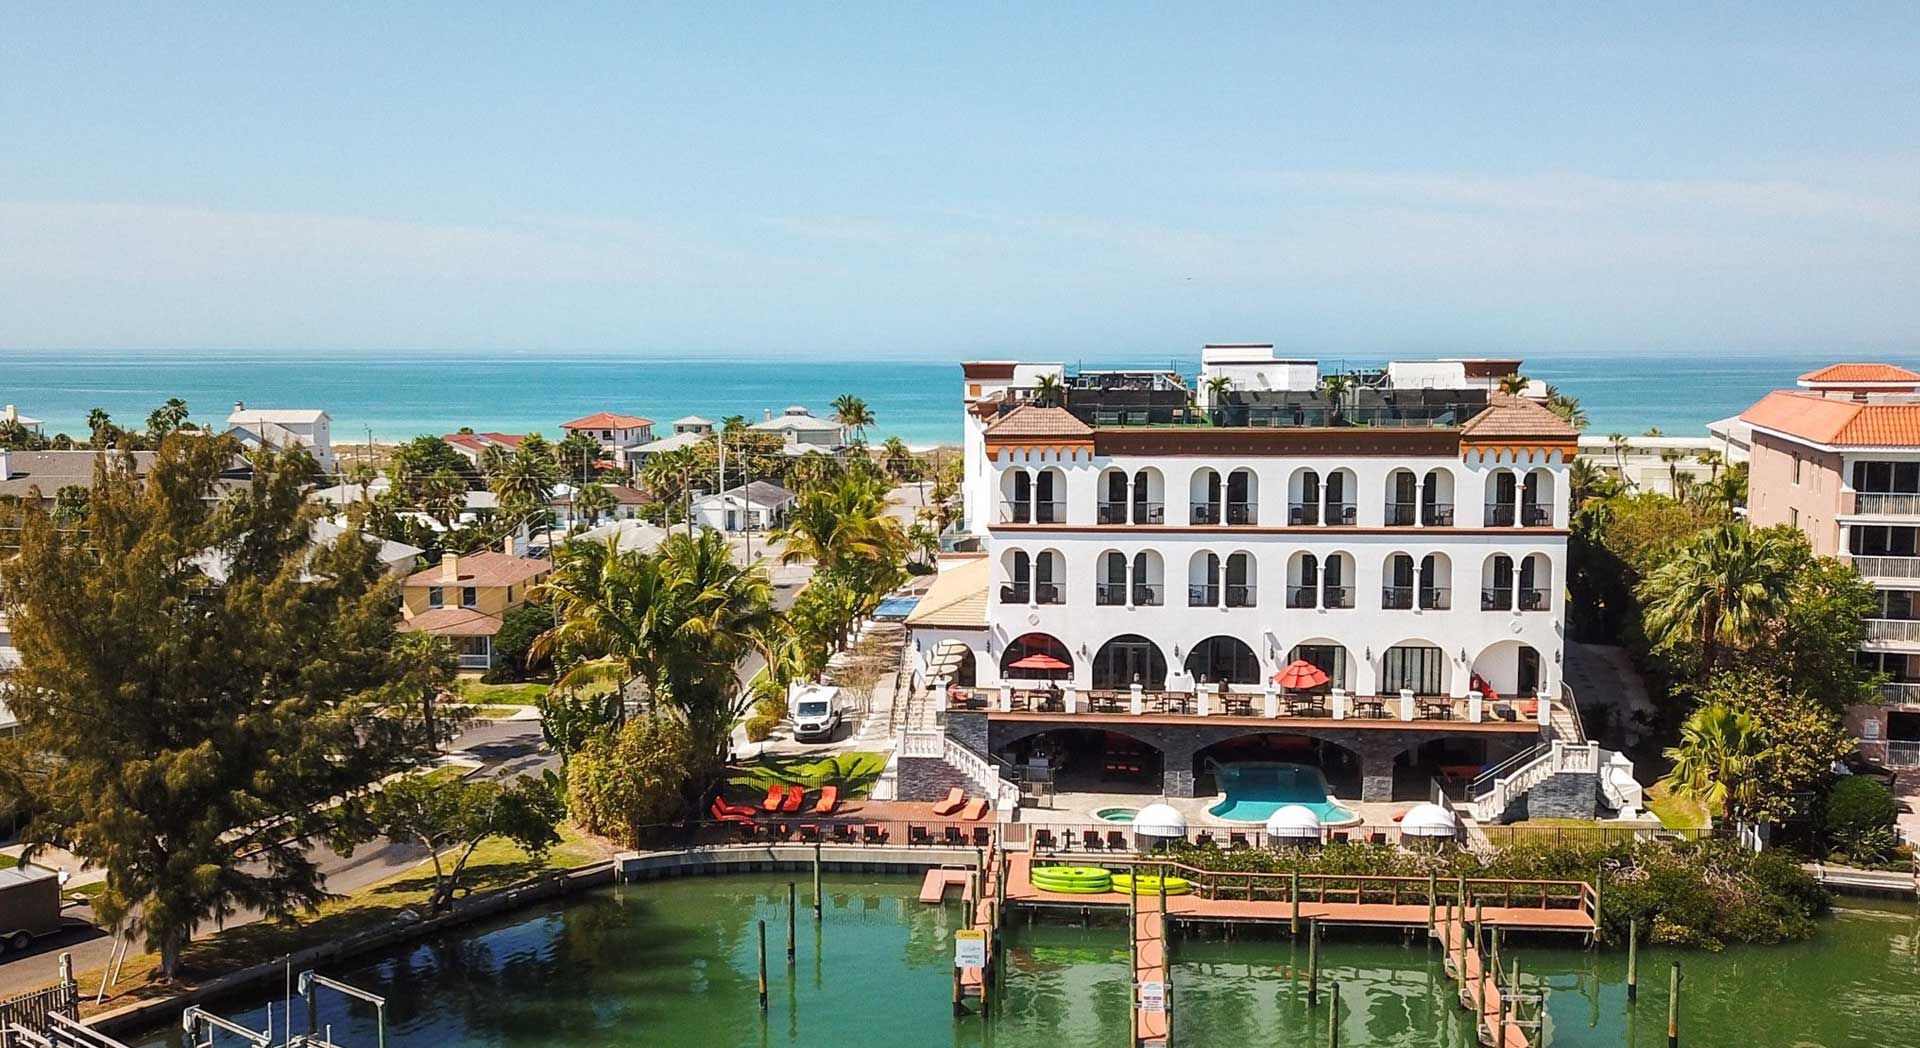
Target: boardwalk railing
(32, 1011)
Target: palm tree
(443, 496)
(677, 621)
(1586, 481)
(1713, 460)
(837, 522)
(1566, 407)
(167, 417)
(576, 454)
(923, 541)
(1721, 589)
(1217, 387)
(1620, 449)
(100, 424)
(1048, 392)
(898, 459)
(1716, 760)
(1513, 384)
(593, 500)
(852, 412)
(1673, 457)
(1334, 388)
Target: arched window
(1204, 495)
(1149, 497)
(1149, 579)
(1536, 583)
(1303, 581)
(1018, 589)
(1496, 583)
(1111, 585)
(1436, 581)
(1113, 504)
(1050, 497)
(1223, 660)
(1049, 578)
(1241, 581)
(1243, 497)
(1127, 660)
(1336, 581)
(1536, 499)
(1503, 496)
(1203, 581)
(1403, 497)
(1337, 506)
(1303, 498)
(1436, 499)
(1396, 593)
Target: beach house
(1838, 458)
(464, 597)
(472, 446)
(616, 434)
(802, 431)
(309, 428)
(754, 506)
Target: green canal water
(673, 964)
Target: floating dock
(940, 879)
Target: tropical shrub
(620, 783)
(1859, 819)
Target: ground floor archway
(1510, 668)
(1087, 759)
(1036, 646)
(1127, 660)
(1337, 764)
(1223, 660)
(1453, 762)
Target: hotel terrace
(1361, 572)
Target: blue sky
(893, 180)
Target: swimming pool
(1257, 789)
(1116, 814)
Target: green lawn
(8, 862)
(854, 773)
(1676, 813)
(479, 694)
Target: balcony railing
(1302, 596)
(1111, 513)
(1437, 514)
(1240, 596)
(1435, 598)
(1496, 599)
(1888, 504)
(1396, 598)
(476, 662)
(1149, 513)
(1302, 514)
(1534, 515)
(1400, 514)
(1110, 593)
(1048, 593)
(1500, 514)
(1242, 513)
(1904, 693)
(1203, 596)
(1336, 596)
(1148, 594)
(1893, 629)
(1131, 513)
(1887, 567)
(1204, 513)
(1902, 753)
(1015, 593)
(1342, 514)
(1533, 600)
(1033, 512)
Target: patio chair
(982, 836)
(748, 830)
(1090, 839)
(842, 833)
(1043, 839)
(829, 800)
(809, 831)
(954, 837)
(1236, 840)
(873, 833)
(1116, 840)
(1205, 839)
(917, 834)
(775, 794)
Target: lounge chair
(1090, 839)
(955, 798)
(1043, 839)
(795, 794)
(1377, 837)
(975, 810)
(829, 800)
(775, 794)
(917, 834)
(954, 836)
(1116, 840)
(721, 813)
(873, 833)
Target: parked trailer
(29, 906)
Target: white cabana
(1295, 822)
(1160, 820)
(1429, 820)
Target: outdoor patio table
(1370, 707)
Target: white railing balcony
(1893, 629)
(1904, 693)
(1238, 596)
(1902, 754)
(1886, 504)
(1886, 567)
(1148, 594)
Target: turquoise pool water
(1254, 791)
(1116, 814)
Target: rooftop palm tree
(1568, 408)
(1048, 391)
(1334, 388)
(1514, 384)
(166, 418)
(1719, 590)
(1716, 760)
(677, 620)
(852, 412)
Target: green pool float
(1072, 880)
(1149, 884)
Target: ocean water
(389, 396)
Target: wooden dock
(940, 879)
(1496, 1018)
(1149, 966)
(985, 911)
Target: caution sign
(1153, 996)
(969, 949)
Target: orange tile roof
(607, 420)
(1030, 421)
(452, 622)
(486, 568)
(1838, 373)
(1507, 417)
(1835, 422)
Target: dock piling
(1333, 1019)
(1633, 959)
(1313, 964)
(1673, 1006)
(816, 880)
(791, 908)
(763, 966)
(1294, 894)
(1433, 890)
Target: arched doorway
(1451, 762)
(1126, 659)
(1223, 660)
(1043, 650)
(1339, 766)
(1510, 668)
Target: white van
(815, 709)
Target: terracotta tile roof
(487, 568)
(607, 420)
(452, 622)
(957, 599)
(1838, 373)
(1508, 417)
(1030, 421)
(1834, 422)
(479, 441)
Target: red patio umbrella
(1300, 674)
(1038, 661)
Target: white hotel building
(1175, 548)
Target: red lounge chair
(775, 794)
(736, 809)
(795, 794)
(975, 810)
(955, 798)
(829, 800)
(722, 814)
